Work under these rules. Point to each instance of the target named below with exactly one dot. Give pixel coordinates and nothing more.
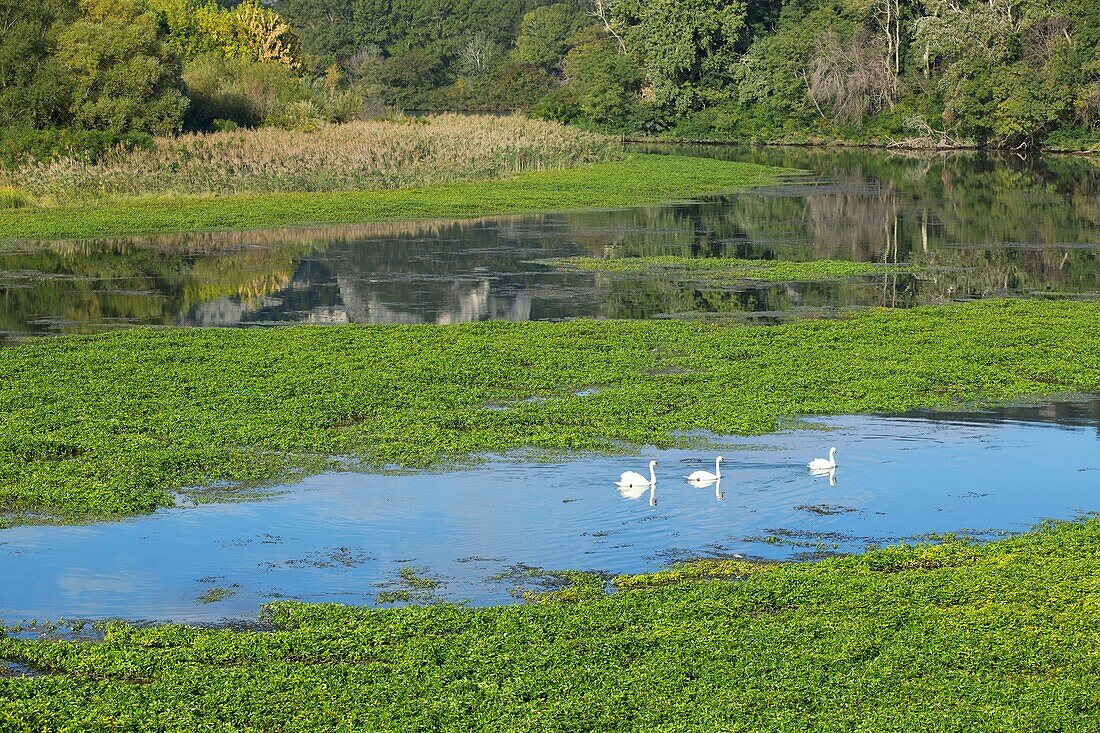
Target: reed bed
(368, 155)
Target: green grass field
(952, 637)
(110, 424)
(634, 181)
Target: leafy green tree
(248, 31)
(686, 47)
(255, 33)
(411, 77)
(544, 36)
(125, 79)
(603, 84)
(34, 89)
(245, 92)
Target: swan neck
(652, 475)
(718, 468)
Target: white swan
(705, 477)
(633, 479)
(820, 464)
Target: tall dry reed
(378, 154)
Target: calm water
(347, 537)
(982, 226)
(986, 226)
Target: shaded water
(981, 225)
(348, 537)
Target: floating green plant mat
(948, 637)
(718, 270)
(112, 424)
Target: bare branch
(602, 12)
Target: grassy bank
(355, 156)
(110, 424)
(955, 637)
(719, 270)
(634, 181)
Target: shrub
(18, 146)
(13, 198)
(301, 116)
(246, 92)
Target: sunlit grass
(360, 156)
(636, 180)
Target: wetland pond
(473, 534)
(975, 225)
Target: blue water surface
(347, 536)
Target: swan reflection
(830, 472)
(707, 483)
(637, 492)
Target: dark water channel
(370, 539)
(979, 225)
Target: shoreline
(636, 180)
(718, 143)
(901, 638)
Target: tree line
(1006, 73)
(1011, 73)
(80, 76)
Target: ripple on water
(346, 536)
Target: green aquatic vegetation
(217, 594)
(703, 569)
(393, 596)
(563, 586)
(634, 181)
(985, 637)
(826, 510)
(416, 579)
(412, 585)
(725, 270)
(112, 424)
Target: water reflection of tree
(967, 212)
(632, 297)
(79, 286)
(958, 217)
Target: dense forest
(82, 74)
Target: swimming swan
(631, 479)
(820, 464)
(705, 477)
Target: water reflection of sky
(985, 226)
(344, 537)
